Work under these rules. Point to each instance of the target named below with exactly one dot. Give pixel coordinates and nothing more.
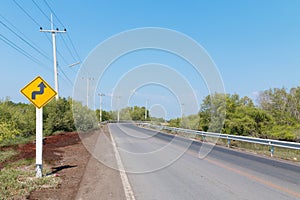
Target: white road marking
(126, 185)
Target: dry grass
(18, 180)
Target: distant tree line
(17, 120)
(276, 115)
(135, 113)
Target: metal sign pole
(39, 142)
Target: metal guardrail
(253, 140)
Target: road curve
(223, 174)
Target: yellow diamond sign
(38, 92)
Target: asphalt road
(161, 166)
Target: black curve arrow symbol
(42, 86)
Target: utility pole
(54, 53)
(100, 111)
(87, 89)
(118, 98)
(146, 109)
(182, 114)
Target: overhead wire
(73, 46)
(54, 14)
(20, 32)
(28, 15)
(70, 52)
(48, 38)
(64, 74)
(41, 10)
(20, 50)
(24, 40)
(68, 35)
(64, 41)
(57, 51)
(62, 57)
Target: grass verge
(18, 179)
(6, 155)
(16, 141)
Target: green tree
(58, 116)
(84, 118)
(8, 131)
(106, 116)
(175, 122)
(212, 112)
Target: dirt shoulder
(83, 176)
(100, 180)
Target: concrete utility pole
(87, 89)
(100, 111)
(118, 98)
(182, 110)
(54, 53)
(146, 109)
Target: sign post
(39, 93)
(39, 142)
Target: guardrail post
(272, 151)
(271, 148)
(228, 142)
(203, 138)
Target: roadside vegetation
(18, 179)
(17, 120)
(275, 116)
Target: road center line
(126, 185)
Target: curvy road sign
(38, 92)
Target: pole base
(39, 171)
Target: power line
(69, 37)
(54, 13)
(58, 52)
(21, 38)
(67, 78)
(70, 52)
(19, 49)
(22, 51)
(22, 33)
(28, 39)
(41, 10)
(53, 33)
(28, 15)
(62, 57)
(74, 47)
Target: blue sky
(255, 44)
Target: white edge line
(126, 185)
